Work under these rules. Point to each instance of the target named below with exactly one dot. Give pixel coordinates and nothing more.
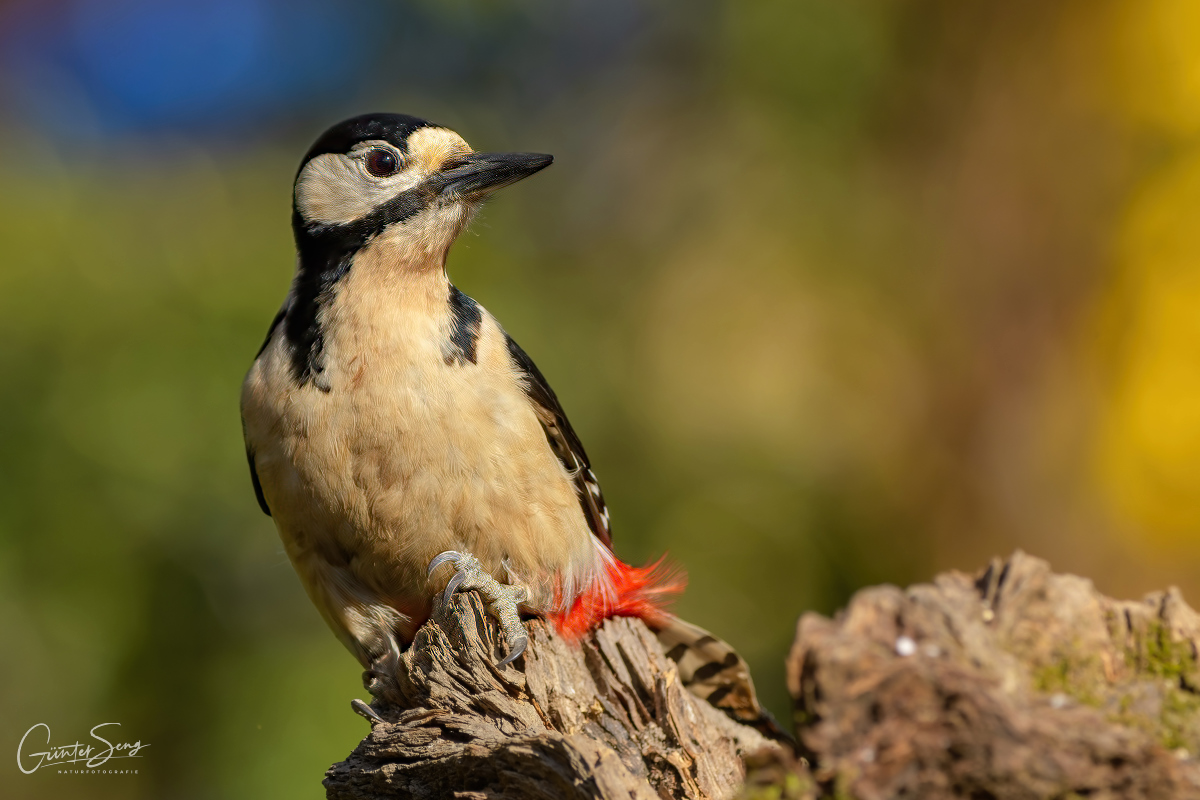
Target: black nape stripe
(464, 333)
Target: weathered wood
(1013, 683)
(603, 718)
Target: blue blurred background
(837, 292)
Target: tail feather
(709, 668)
(713, 671)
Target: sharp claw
(364, 710)
(456, 580)
(442, 558)
(518, 649)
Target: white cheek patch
(333, 189)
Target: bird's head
(397, 181)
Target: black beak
(480, 174)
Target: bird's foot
(502, 599)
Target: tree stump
(604, 718)
(1011, 683)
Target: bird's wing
(258, 492)
(564, 443)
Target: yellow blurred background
(836, 292)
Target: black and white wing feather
(564, 443)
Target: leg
(502, 599)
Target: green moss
(1074, 675)
(1160, 669)
(841, 787)
(793, 787)
(1178, 719)
(1155, 654)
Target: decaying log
(604, 718)
(1012, 683)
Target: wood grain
(603, 718)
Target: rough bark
(1013, 683)
(604, 718)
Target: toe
(443, 558)
(368, 713)
(456, 580)
(518, 645)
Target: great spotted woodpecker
(405, 445)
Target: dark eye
(381, 163)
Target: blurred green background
(836, 292)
